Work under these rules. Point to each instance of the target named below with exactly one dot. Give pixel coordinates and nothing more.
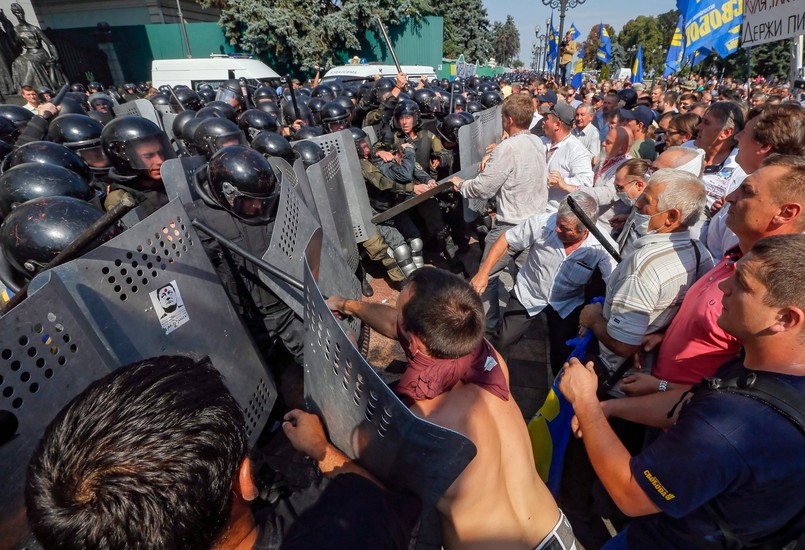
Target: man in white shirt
(562, 259)
(29, 95)
(586, 132)
(569, 161)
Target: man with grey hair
(586, 131)
(562, 259)
(643, 294)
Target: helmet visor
(149, 152)
(94, 157)
(228, 96)
(247, 207)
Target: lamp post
(542, 47)
(563, 6)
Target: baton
(388, 43)
(452, 103)
(56, 101)
(588, 223)
(181, 106)
(293, 97)
(244, 89)
(240, 251)
(87, 236)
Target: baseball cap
(563, 112)
(641, 113)
(629, 97)
(549, 97)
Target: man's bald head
(619, 141)
(687, 159)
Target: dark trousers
(515, 323)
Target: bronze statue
(37, 65)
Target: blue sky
(528, 13)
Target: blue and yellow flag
(637, 66)
(604, 54)
(676, 51)
(713, 25)
(576, 34)
(578, 70)
(553, 46)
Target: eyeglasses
(673, 133)
(622, 188)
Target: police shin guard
(416, 252)
(403, 258)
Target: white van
(359, 73)
(211, 70)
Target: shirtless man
(499, 500)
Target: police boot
(417, 246)
(449, 250)
(378, 249)
(366, 288)
(403, 259)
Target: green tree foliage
(591, 45)
(506, 41)
(648, 32)
(302, 33)
(466, 29)
(769, 60)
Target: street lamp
(563, 6)
(543, 39)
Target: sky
(528, 13)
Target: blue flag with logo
(604, 53)
(676, 51)
(576, 34)
(553, 46)
(637, 66)
(714, 25)
(578, 70)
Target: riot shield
(139, 107)
(328, 188)
(167, 124)
(491, 125)
(178, 176)
(49, 354)
(470, 150)
(297, 177)
(363, 416)
(120, 287)
(348, 169)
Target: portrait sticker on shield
(169, 307)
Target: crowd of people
(680, 204)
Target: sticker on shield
(169, 307)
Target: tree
(506, 41)
(769, 60)
(645, 31)
(302, 33)
(591, 45)
(466, 29)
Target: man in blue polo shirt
(726, 474)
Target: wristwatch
(663, 385)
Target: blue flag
(714, 25)
(553, 46)
(575, 31)
(637, 66)
(549, 429)
(578, 70)
(676, 51)
(604, 53)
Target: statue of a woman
(36, 66)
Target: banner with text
(712, 25)
(772, 20)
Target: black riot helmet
(309, 152)
(491, 98)
(272, 144)
(46, 152)
(135, 145)
(323, 91)
(162, 98)
(16, 114)
(264, 93)
(336, 87)
(474, 107)
(95, 87)
(361, 140)
(213, 134)
(45, 94)
(380, 89)
(224, 109)
(456, 87)
(466, 115)
(427, 101)
(289, 116)
(37, 230)
(459, 103)
(270, 107)
(334, 117)
(206, 94)
(254, 121)
(346, 103)
(70, 105)
(242, 182)
(351, 92)
(99, 101)
(8, 131)
(180, 122)
(315, 105)
(407, 107)
(306, 132)
(448, 129)
(230, 92)
(32, 180)
(188, 98)
(81, 134)
(78, 88)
